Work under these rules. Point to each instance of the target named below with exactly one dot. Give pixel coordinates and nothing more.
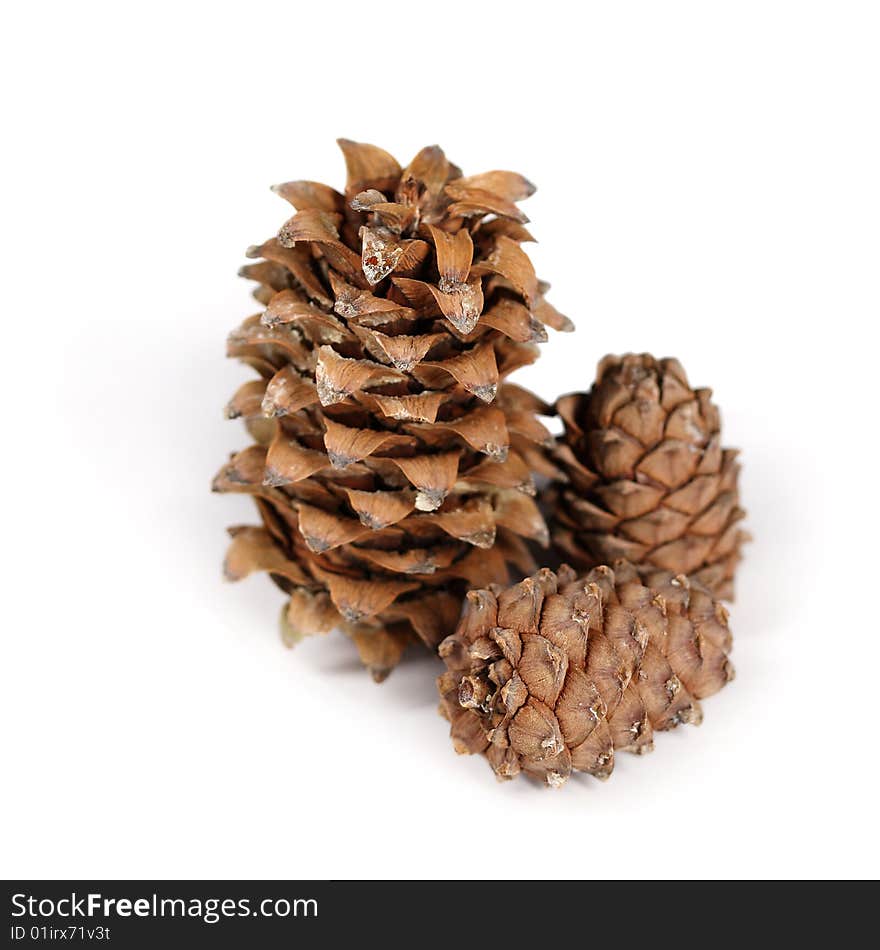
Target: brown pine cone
(393, 464)
(643, 475)
(560, 673)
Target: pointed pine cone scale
(433, 477)
(394, 463)
(484, 429)
(247, 401)
(310, 194)
(321, 228)
(294, 267)
(287, 392)
(253, 549)
(475, 369)
(368, 167)
(642, 475)
(560, 673)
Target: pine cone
(643, 475)
(560, 673)
(393, 465)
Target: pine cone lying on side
(644, 475)
(393, 464)
(559, 673)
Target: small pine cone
(560, 673)
(392, 465)
(643, 476)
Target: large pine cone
(393, 465)
(644, 476)
(560, 673)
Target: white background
(708, 188)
